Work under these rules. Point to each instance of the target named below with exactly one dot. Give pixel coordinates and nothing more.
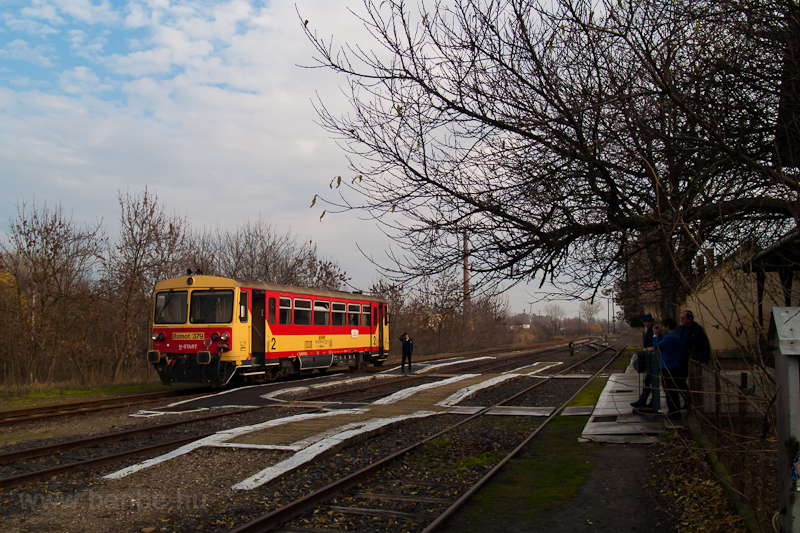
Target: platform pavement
(613, 419)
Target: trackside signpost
(785, 339)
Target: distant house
(734, 301)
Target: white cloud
(81, 80)
(41, 10)
(202, 101)
(88, 46)
(87, 11)
(31, 27)
(21, 50)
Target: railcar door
(258, 330)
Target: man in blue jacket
(667, 343)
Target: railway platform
(613, 419)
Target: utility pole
(467, 302)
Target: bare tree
(257, 251)
(589, 311)
(49, 263)
(555, 315)
(151, 246)
(567, 137)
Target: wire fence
(736, 410)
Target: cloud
(81, 80)
(28, 26)
(86, 11)
(88, 46)
(21, 50)
(41, 10)
(202, 101)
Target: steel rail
(417, 377)
(450, 511)
(282, 515)
(521, 393)
(40, 451)
(49, 411)
(16, 481)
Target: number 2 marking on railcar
(273, 344)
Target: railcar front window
(171, 307)
(211, 307)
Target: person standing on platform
(669, 353)
(408, 349)
(695, 346)
(651, 370)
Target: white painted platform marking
(468, 392)
(308, 454)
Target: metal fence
(736, 411)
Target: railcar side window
(353, 310)
(171, 307)
(211, 307)
(285, 311)
(302, 312)
(243, 305)
(339, 317)
(365, 316)
(321, 313)
(271, 312)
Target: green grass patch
(481, 460)
(590, 394)
(621, 362)
(5, 438)
(445, 455)
(100, 391)
(44, 394)
(549, 473)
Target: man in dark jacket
(408, 349)
(694, 341)
(694, 345)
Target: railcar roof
(216, 282)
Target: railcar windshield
(211, 307)
(171, 307)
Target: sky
(203, 102)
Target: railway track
(303, 514)
(404, 491)
(49, 411)
(21, 459)
(375, 391)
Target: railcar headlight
(158, 337)
(215, 337)
(224, 336)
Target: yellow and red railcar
(209, 329)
